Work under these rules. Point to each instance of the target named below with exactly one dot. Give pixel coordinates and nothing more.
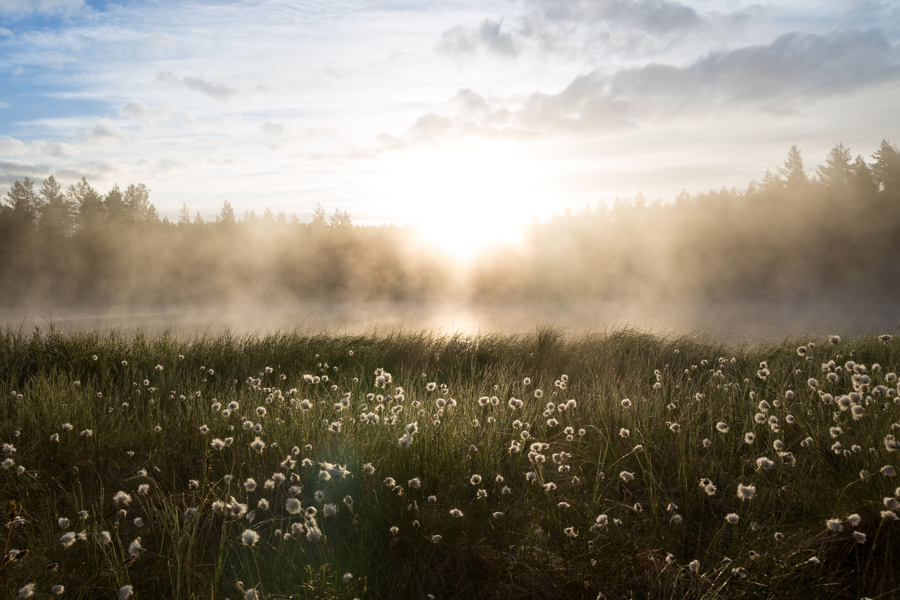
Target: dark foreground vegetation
(413, 466)
(789, 236)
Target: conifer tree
(184, 217)
(886, 168)
(836, 170)
(793, 171)
(861, 176)
(226, 217)
(56, 212)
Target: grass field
(412, 465)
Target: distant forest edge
(790, 236)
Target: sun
(464, 200)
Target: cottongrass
(459, 440)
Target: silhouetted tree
(226, 217)
(318, 216)
(886, 168)
(184, 217)
(836, 170)
(793, 171)
(116, 209)
(771, 182)
(88, 204)
(25, 205)
(57, 212)
(137, 203)
(861, 177)
(340, 218)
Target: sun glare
(464, 200)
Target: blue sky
(425, 111)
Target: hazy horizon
(719, 166)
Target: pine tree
(793, 170)
(886, 168)
(184, 217)
(57, 212)
(318, 216)
(116, 210)
(137, 204)
(340, 218)
(771, 182)
(226, 217)
(88, 204)
(836, 171)
(861, 177)
(25, 204)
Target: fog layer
(794, 244)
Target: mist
(788, 255)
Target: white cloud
(208, 88)
(275, 130)
(103, 133)
(9, 145)
(12, 171)
(54, 148)
(655, 16)
(489, 36)
(135, 109)
(782, 77)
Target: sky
(456, 114)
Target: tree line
(789, 235)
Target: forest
(790, 236)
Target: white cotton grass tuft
(764, 463)
(249, 537)
(26, 591)
(732, 518)
(121, 498)
(834, 525)
(745, 492)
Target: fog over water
(727, 321)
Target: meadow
(420, 465)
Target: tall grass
(602, 497)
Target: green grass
(145, 399)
